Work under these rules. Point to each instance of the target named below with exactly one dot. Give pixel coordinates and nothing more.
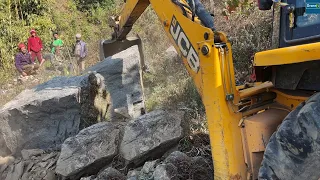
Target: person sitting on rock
(23, 62)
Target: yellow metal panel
(258, 130)
(288, 55)
(290, 101)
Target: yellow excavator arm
(207, 56)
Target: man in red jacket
(35, 47)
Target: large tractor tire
(293, 151)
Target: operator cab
(306, 26)
(295, 64)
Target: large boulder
(123, 81)
(42, 117)
(151, 135)
(89, 151)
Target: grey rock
(53, 162)
(133, 175)
(201, 169)
(28, 153)
(166, 172)
(149, 166)
(171, 53)
(43, 164)
(89, 151)
(122, 79)
(110, 173)
(29, 166)
(3, 167)
(50, 175)
(49, 156)
(181, 161)
(16, 172)
(42, 117)
(88, 178)
(133, 178)
(7, 175)
(151, 135)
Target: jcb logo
(184, 44)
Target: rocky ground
(93, 126)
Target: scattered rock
(33, 168)
(28, 153)
(181, 161)
(151, 135)
(149, 166)
(133, 175)
(179, 165)
(89, 151)
(49, 156)
(171, 53)
(110, 173)
(201, 169)
(43, 164)
(50, 175)
(165, 172)
(88, 178)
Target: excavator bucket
(111, 47)
(135, 103)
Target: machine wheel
(293, 151)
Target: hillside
(89, 18)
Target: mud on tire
(293, 151)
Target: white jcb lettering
(176, 33)
(183, 37)
(193, 60)
(184, 45)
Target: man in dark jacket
(35, 47)
(80, 52)
(23, 62)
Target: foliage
(18, 17)
(88, 5)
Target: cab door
(306, 27)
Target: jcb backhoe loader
(269, 129)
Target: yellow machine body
(240, 119)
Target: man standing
(23, 62)
(80, 52)
(57, 44)
(35, 47)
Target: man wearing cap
(80, 52)
(23, 62)
(35, 47)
